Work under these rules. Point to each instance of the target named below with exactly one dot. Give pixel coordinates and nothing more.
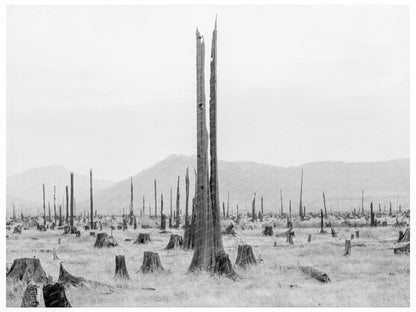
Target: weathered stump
(77, 234)
(121, 269)
(315, 273)
(334, 234)
(402, 249)
(309, 238)
(357, 234)
(142, 238)
(54, 296)
(151, 262)
(352, 236)
(245, 256)
(27, 269)
(174, 241)
(66, 278)
(103, 240)
(268, 231)
(30, 296)
(223, 266)
(347, 247)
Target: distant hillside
(342, 182)
(25, 189)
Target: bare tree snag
(372, 215)
(30, 296)
(54, 203)
(315, 273)
(26, 270)
(103, 240)
(131, 214)
(54, 296)
(71, 218)
(177, 206)
(66, 278)
(322, 223)
(162, 216)
(300, 200)
(91, 203)
(174, 241)
(253, 209)
(323, 195)
(44, 207)
(142, 238)
(281, 203)
(151, 262)
(245, 256)
(347, 247)
(121, 269)
(155, 200)
(67, 204)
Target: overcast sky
(113, 87)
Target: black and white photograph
(205, 155)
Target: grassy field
(372, 276)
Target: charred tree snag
(60, 215)
(27, 269)
(103, 240)
(300, 200)
(131, 201)
(281, 203)
(326, 215)
(71, 218)
(174, 241)
(67, 204)
(187, 226)
(151, 262)
(253, 209)
(223, 211)
(316, 274)
(54, 296)
(347, 247)
(121, 269)
(245, 256)
(177, 206)
(322, 223)
(162, 217)
(54, 203)
(66, 278)
(155, 200)
(44, 207)
(362, 202)
(268, 231)
(91, 203)
(372, 215)
(289, 220)
(142, 238)
(30, 296)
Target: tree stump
(223, 266)
(142, 238)
(347, 247)
(103, 240)
(352, 236)
(67, 279)
(357, 234)
(289, 237)
(334, 234)
(245, 256)
(121, 269)
(27, 269)
(309, 238)
(54, 296)
(92, 234)
(17, 229)
(151, 262)
(77, 234)
(30, 296)
(315, 273)
(174, 241)
(268, 231)
(86, 227)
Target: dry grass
(371, 276)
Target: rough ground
(371, 276)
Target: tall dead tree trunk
(300, 200)
(322, 222)
(162, 217)
(71, 218)
(60, 215)
(144, 210)
(323, 195)
(290, 213)
(49, 211)
(170, 214)
(44, 208)
(261, 206)
(67, 204)
(131, 201)
(223, 211)
(253, 209)
(372, 222)
(54, 203)
(390, 210)
(155, 200)
(91, 203)
(362, 202)
(177, 205)
(228, 205)
(281, 203)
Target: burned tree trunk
(253, 209)
(245, 256)
(372, 215)
(54, 204)
(326, 215)
(281, 203)
(27, 269)
(30, 296)
(162, 216)
(151, 262)
(67, 204)
(71, 218)
(142, 238)
(170, 214)
(174, 241)
(60, 215)
(121, 269)
(131, 214)
(54, 296)
(68, 279)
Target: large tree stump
(402, 249)
(223, 266)
(121, 269)
(142, 238)
(54, 296)
(315, 273)
(67, 279)
(151, 262)
(268, 231)
(103, 240)
(30, 296)
(27, 269)
(347, 247)
(174, 241)
(245, 256)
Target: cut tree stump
(121, 269)
(54, 296)
(402, 249)
(347, 247)
(174, 241)
(268, 231)
(67, 279)
(30, 296)
(223, 266)
(151, 262)
(103, 240)
(142, 238)
(309, 238)
(334, 234)
(315, 273)
(27, 269)
(77, 234)
(245, 256)
(357, 234)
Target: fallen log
(315, 273)
(405, 249)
